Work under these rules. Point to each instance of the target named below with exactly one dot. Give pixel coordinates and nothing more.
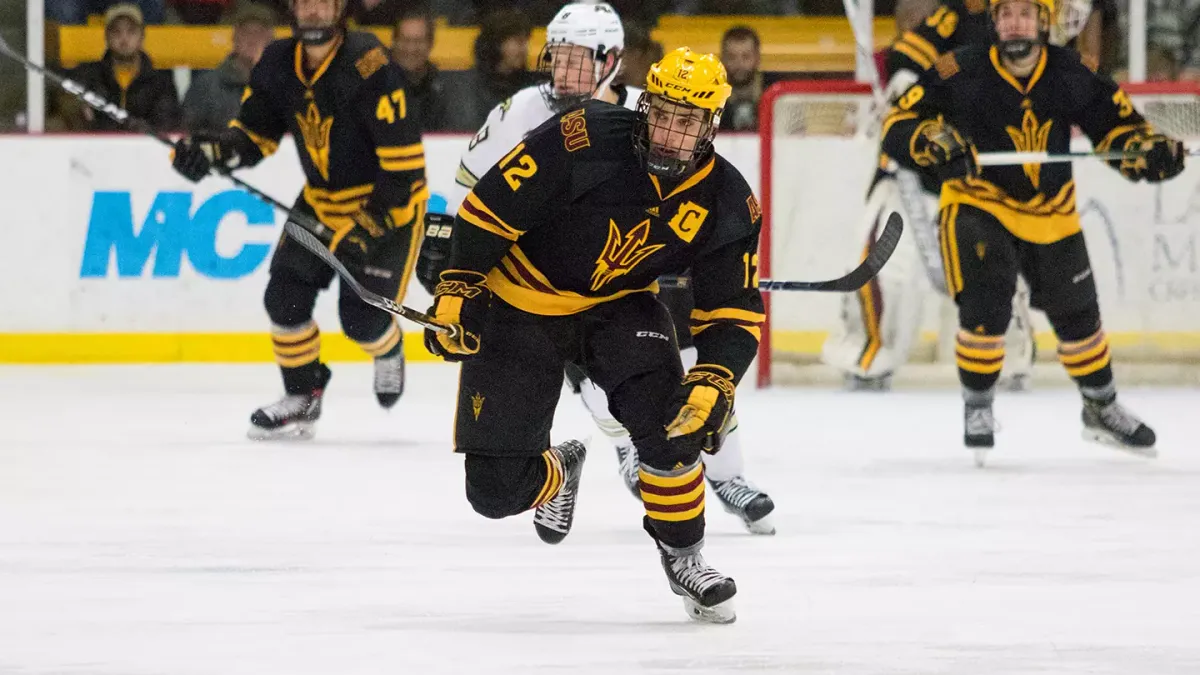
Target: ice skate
(293, 416)
(707, 594)
(1110, 423)
(979, 424)
(627, 464)
(747, 502)
(389, 377)
(854, 382)
(553, 519)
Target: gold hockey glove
(1160, 158)
(700, 408)
(460, 299)
(940, 147)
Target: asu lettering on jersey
(559, 227)
(997, 112)
(326, 110)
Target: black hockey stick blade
(308, 240)
(884, 246)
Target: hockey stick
(878, 256)
(1012, 158)
(304, 229)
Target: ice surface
(140, 534)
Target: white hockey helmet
(594, 26)
(1070, 16)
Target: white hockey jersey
(506, 126)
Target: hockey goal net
(819, 145)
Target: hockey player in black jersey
(343, 100)
(1021, 94)
(554, 260)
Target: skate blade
(762, 526)
(1105, 438)
(720, 613)
(980, 456)
(298, 431)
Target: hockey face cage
(1019, 48)
(318, 35)
(670, 138)
(573, 73)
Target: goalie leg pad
(881, 320)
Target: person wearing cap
(215, 97)
(125, 76)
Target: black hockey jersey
(955, 23)
(357, 142)
(570, 219)
(973, 91)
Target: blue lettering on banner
(169, 231)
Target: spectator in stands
(741, 52)
(412, 44)
(1173, 39)
(501, 58)
(744, 7)
(214, 97)
(77, 11)
(126, 77)
(202, 11)
(641, 52)
(378, 12)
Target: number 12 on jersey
(525, 167)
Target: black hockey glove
(941, 148)
(460, 299)
(435, 249)
(700, 408)
(355, 246)
(196, 155)
(1161, 158)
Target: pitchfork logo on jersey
(1031, 138)
(622, 253)
(315, 130)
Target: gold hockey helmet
(679, 112)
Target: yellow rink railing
(792, 44)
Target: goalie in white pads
(880, 323)
(584, 45)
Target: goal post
(818, 153)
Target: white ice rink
(140, 534)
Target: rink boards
(109, 256)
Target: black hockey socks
(1088, 361)
(674, 502)
(385, 343)
(298, 353)
(979, 358)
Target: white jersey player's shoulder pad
(525, 109)
(630, 96)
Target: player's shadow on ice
(501, 623)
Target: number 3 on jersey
(524, 168)
(392, 107)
